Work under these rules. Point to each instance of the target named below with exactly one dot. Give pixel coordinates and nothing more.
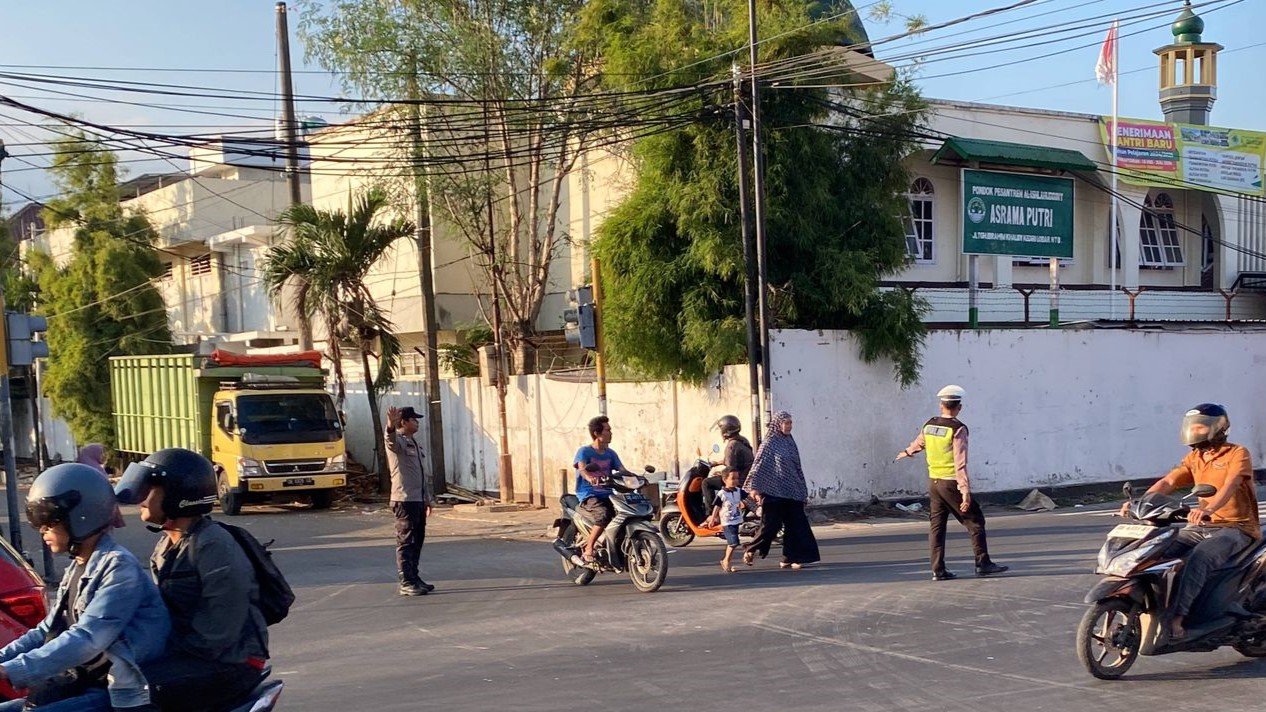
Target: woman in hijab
(777, 480)
(94, 455)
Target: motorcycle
(684, 520)
(1131, 607)
(263, 698)
(630, 543)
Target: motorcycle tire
(1108, 626)
(676, 531)
(1255, 648)
(578, 575)
(647, 561)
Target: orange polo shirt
(1230, 465)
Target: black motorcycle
(630, 543)
(1131, 607)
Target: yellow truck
(266, 422)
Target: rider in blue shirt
(595, 464)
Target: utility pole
(758, 204)
(6, 425)
(749, 258)
(292, 145)
(599, 363)
(426, 278)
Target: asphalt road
(866, 630)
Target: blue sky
(117, 38)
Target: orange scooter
(684, 519)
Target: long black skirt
(799, 546)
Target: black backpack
(275, 595)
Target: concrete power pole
(426, 279)
(290, 125)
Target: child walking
(728, 510)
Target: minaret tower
(1188, 72)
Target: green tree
(672, 251)
(512, 124)
(333, 252)
(102, 301)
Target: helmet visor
(1198, 429)
(134, 485)
(45, 512)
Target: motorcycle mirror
(650, 469)
(1128, 490)
(716, 448)
(1204, 490)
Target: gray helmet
(729, 425)
(74, 495)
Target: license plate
(1130, 531)
(298, 482)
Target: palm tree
(329, 255)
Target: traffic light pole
(10, 465)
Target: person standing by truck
(411, 498)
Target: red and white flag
(1106, 67)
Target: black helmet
(1212, 422)
(188, 481)
(729, 425)
(74, 495)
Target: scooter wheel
(675, 529)
(1108, 638)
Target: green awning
(1002, 153)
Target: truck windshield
(276, 418)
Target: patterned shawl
(776, 471)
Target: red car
(22, 602)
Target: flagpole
(1112, 225)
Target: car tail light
(27, 607)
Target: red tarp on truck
(304, 358)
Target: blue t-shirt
(607, 462)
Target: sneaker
(944, 576)
(411, 589)
(425, 585)
(991, 568)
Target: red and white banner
(1106, 67)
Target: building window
(167, 272)
(200, 265)
(1208, 244)
(918, 223)
(1159, 244)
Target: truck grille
(293, 467)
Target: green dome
(842, 11)
(1188, 26)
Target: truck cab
(269, 437)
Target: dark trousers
(183, 682)
(410, 533)
(710, 487)
(799, 546)
(1210, 548)
(946, 500)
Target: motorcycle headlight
(338, 463)
(1122, 564)
(246, 467)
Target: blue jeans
(92, 701)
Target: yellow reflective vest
(938, 441)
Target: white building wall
(1045, 408)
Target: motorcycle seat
(569, 501)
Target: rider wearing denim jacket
(106, 608)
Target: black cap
(408, 413)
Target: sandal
(725, 566)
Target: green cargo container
(165, 401)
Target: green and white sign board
(1017, 214)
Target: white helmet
(951, 393)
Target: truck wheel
(322, 499)
(230, 501)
